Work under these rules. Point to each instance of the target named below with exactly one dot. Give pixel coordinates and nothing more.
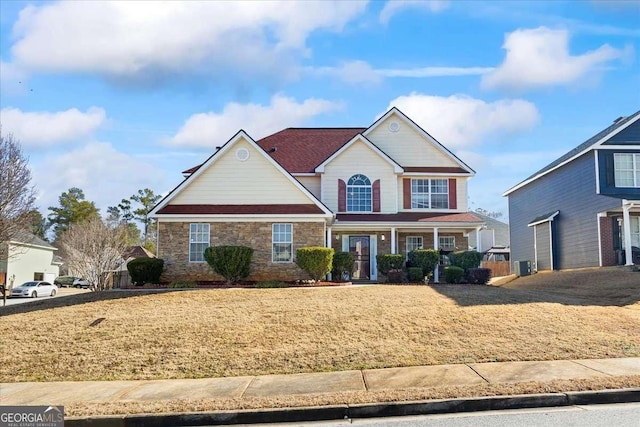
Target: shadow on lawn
(69, 300)
(616, 288)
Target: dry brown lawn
(212, 333)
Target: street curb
(372, 410)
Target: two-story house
(583, 209)
(388, 188)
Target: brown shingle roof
(240, 209)
(410, 217)
(300, 150)
(435, 169)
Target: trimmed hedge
(415, 274)
(425, 259)
(315, 260)
(453, 274)
(342, 264)
(231, 262)
(145, 270)
(479, 276)
(466, 259)
(388, 262)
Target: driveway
(61, 293)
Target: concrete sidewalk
(62, 393)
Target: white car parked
(34, 290)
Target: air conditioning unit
(522, 268)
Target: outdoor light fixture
(337, 237)
(382, 237)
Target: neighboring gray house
(583, 209)
(494, 233)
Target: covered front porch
(367, 236)
(619, 234)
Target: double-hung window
(430, 194)
(282, 242)
(198, 241)
(413, 243)
(635, 231)
(446, 242)
(627, 169)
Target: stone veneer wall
(173, 248)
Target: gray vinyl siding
(571, 190)
(543, 246)
(628, 136)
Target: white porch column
(626, 205)
(478, 240)
(393, 241)
(329, 237)
(436, 241)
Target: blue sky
(113, 97)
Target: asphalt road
(61, 293)
(618, 415)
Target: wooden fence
(498, 268)
(118, 279)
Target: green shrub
(415, 274)
(425, 259)
(231, 262)
(453, 274)
(342, 264)
(315, 260)
(271, 284)
(479, 276)
(183, 285)
(388, 262)
(145, 270)
(465, 259)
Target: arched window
(359, 194)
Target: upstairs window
(198, 241)
(627, 169)
(430, 194)
(359, 194)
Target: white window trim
(369, 187)
(442, 245)
(406, 243)
(273, 243)
(429, 193)
(635, 169)
(208, 241)
(635, 236)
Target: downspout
(626, 220)
(436, 273)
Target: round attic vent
(242, 154)
(394, 126)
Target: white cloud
(104, 174)
(207, 38)
(361, 72)
(211, 129)
(352, 72)
(540, 57)
(44, 128)
(392, 7)
(459, 121)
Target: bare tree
(93, 249)
(17, 195)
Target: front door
(359, 247)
